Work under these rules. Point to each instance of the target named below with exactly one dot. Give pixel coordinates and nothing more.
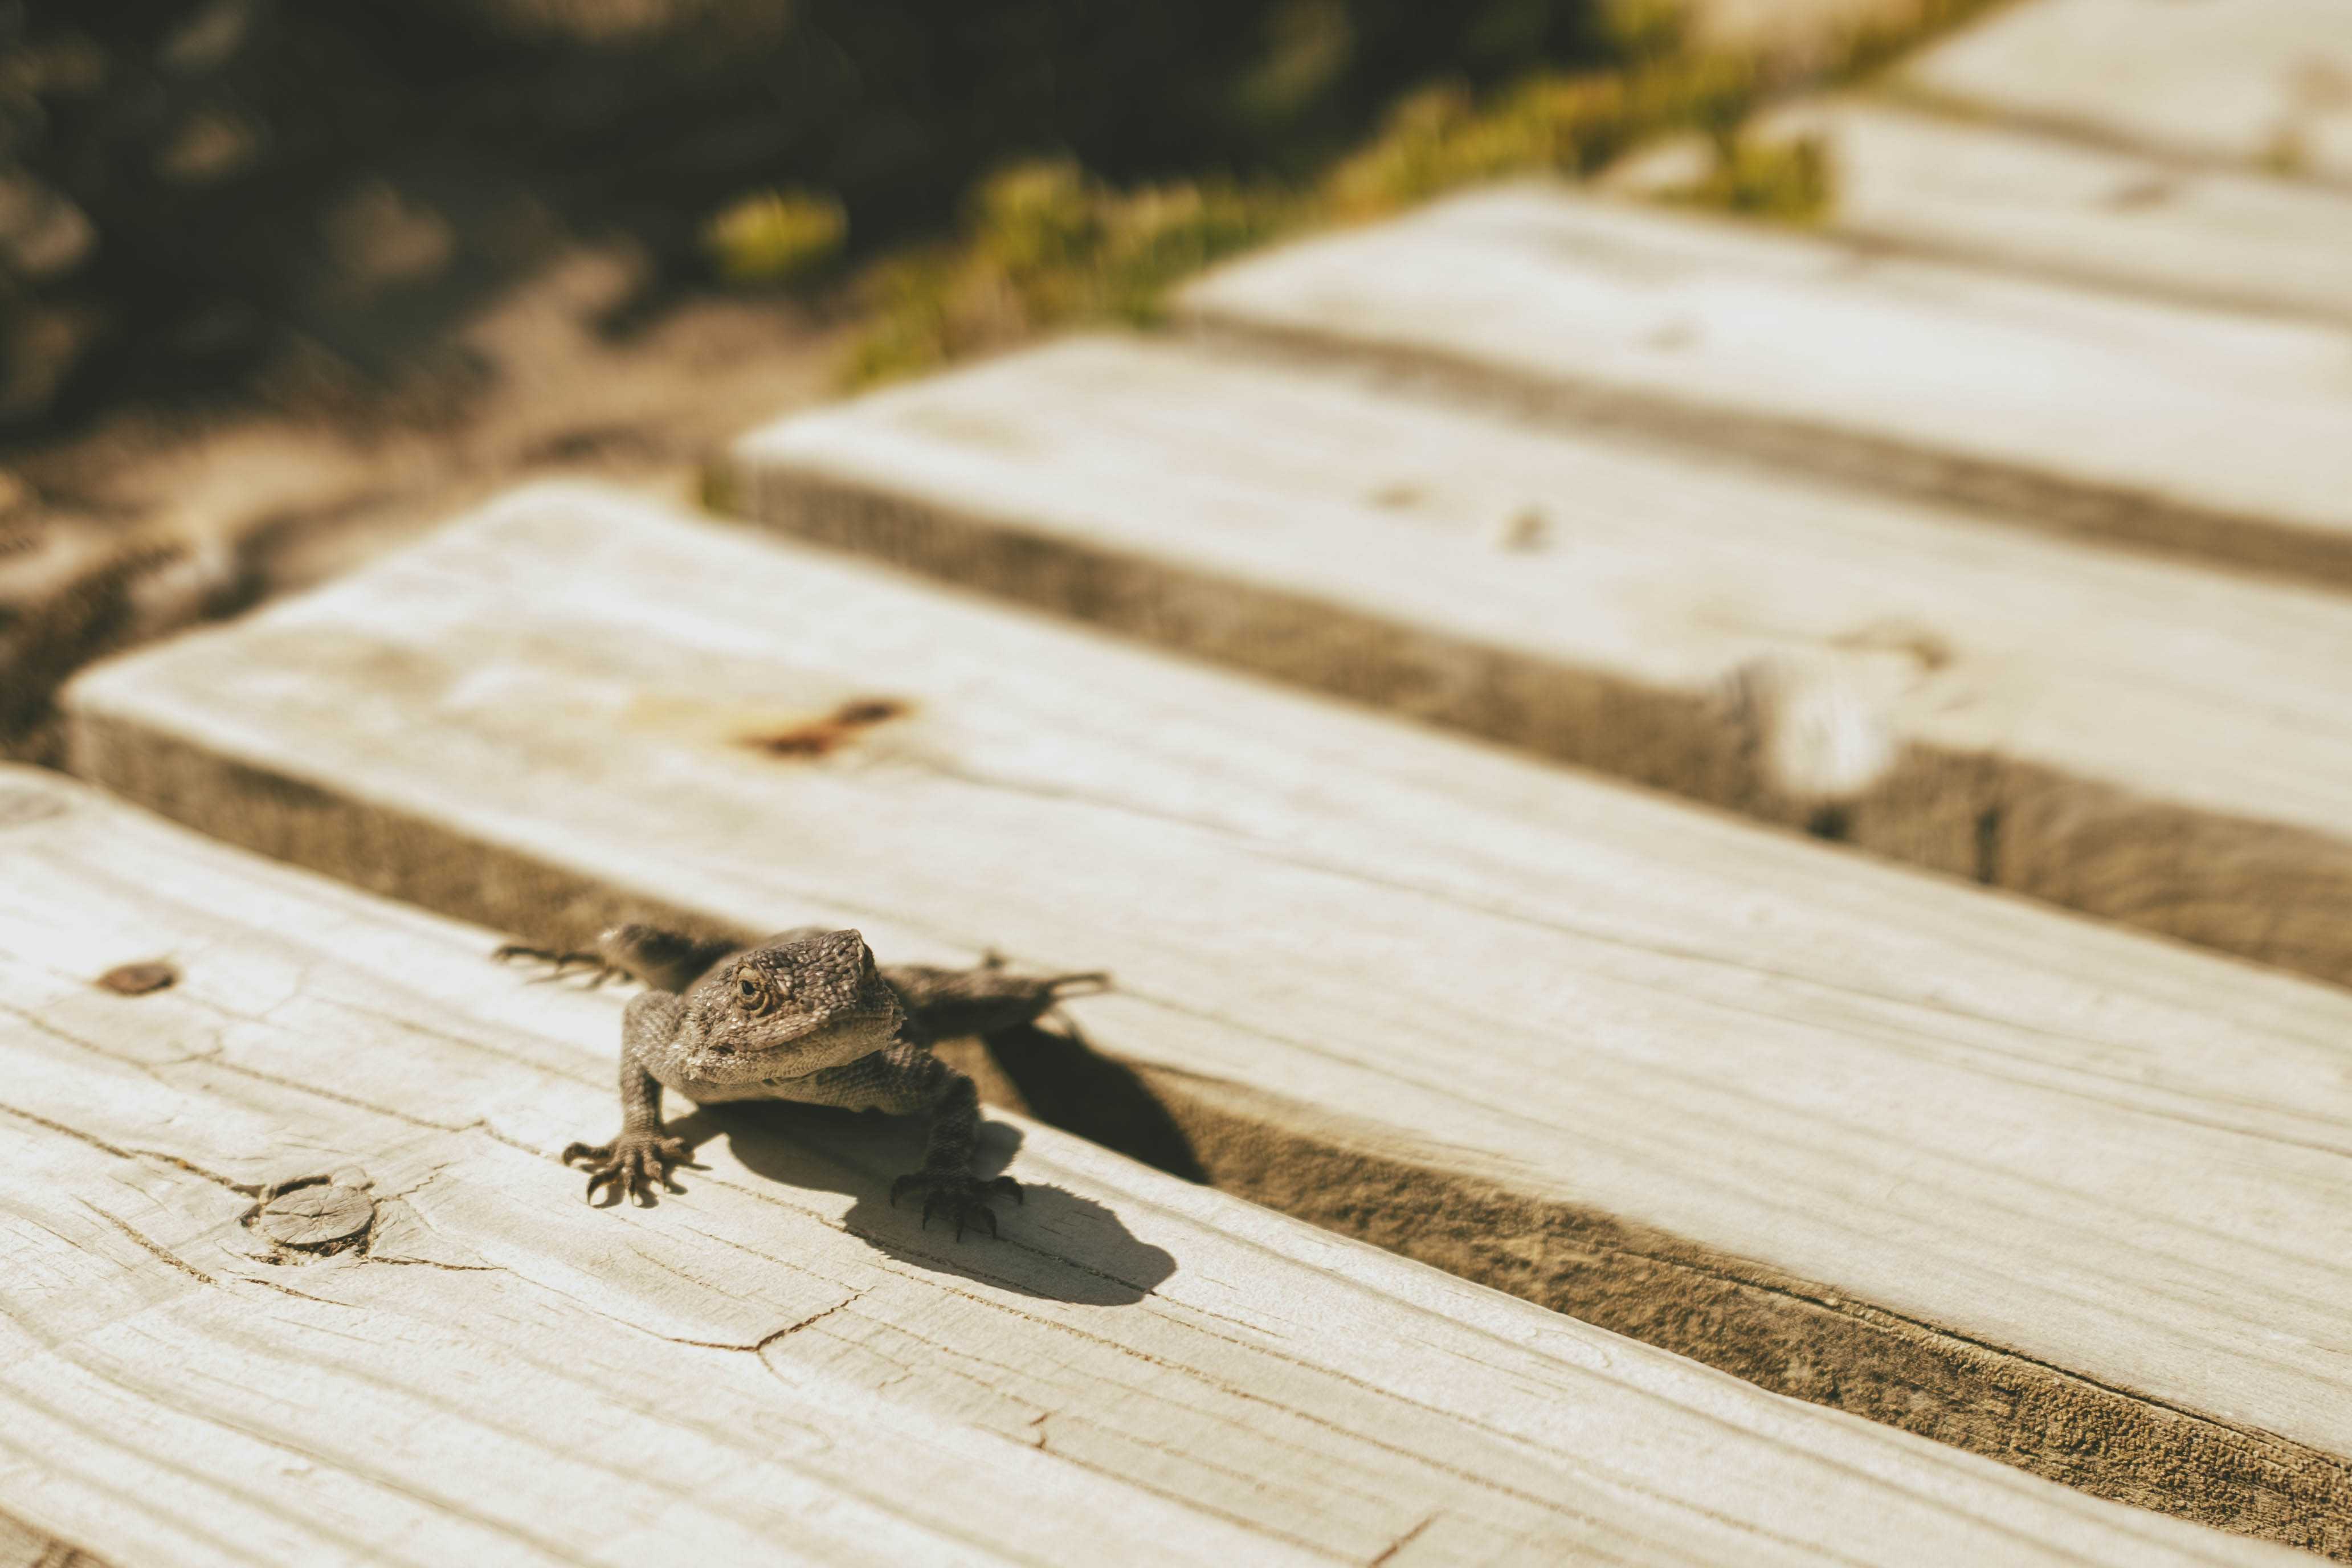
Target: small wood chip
(139, 979)
(315, 1216)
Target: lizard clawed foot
(558, 965)
(633, 1162)
(958, 1195)
(1096, 982)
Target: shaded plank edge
(2222, 881)
(1785, 1334)
(22, 1545)
(1789, 1335)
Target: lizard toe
(602, 1176)
(632, 1166)
(660, 1158)
(552, 964)
(958, 1197)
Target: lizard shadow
(1055, 1244)
(1065, 1080)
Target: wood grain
(772, 1365)
(1985, 193)
(2249, 82)
(2216, 434)
(2139, 740)
(2066, 1196)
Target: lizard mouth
(816, 1046)
(796, 1077)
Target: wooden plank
(2039, 1188)
(2224, 434)
(2255, 81)
(2137, 739)
(1985, 193)
(774, 1366)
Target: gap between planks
(23, 1546)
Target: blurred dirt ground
(156, 518)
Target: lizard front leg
(640, 1156)
(946, 1180)
(655, 956)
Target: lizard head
(788, 1011)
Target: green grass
(1044, 244)
(1778, 180)
(775, 237)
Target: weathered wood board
(2221, 434)
(2254, 81)
(772, 1367)
(2050, 1191)
(2142, 740)
(1985, 193)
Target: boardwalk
(1869, 1122)
(2035, 714)
(1723, 851)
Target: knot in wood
(315, 1217)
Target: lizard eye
(752, 991)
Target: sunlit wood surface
(431, 1351)
(2039, 1187)
(2145, 740)
(2084, 411)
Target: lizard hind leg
(957, 1195)
(951, 1004)
(946, 1180)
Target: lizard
(805, 1016)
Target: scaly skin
(803, 1016)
